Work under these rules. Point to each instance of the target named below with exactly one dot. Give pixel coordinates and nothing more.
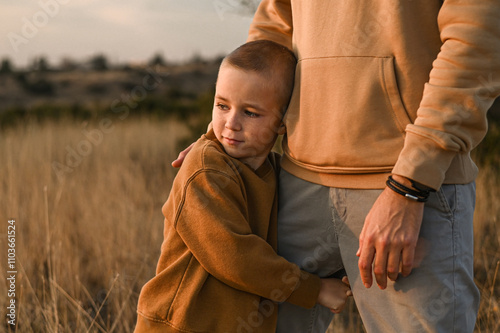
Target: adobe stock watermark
(462, 114)
(234, 6)
(95, 136)
(368, 33)
(433, 311)
(265, 308)
(30, 27)
(11, 273)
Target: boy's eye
(222, 106)
(251, 114)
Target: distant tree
(68, 64)
(197, 58)
(99, 63)
(157, 60)
(40, 64)
(126, 68)
(41, 87)
(97, 88)
(6, 66)
(37, 86)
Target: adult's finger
(182, 155)
(393, 263)
(366, 256)
(380, 267)
(358, 253)
(407, 258)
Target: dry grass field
(86, 199)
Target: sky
(123, 30)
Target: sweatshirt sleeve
(212, 224)
(463, 83)
(273, 21)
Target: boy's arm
(212, 224)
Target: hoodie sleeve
(211, 222)
(463, 83)
(273, 21)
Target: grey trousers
(319, 227)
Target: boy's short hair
(271, 59)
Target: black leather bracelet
(416, 195)
(415, 190)
(417, 186)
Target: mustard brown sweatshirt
(386, 86)
(218, 270)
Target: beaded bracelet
(419, 195)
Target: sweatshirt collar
(261, 171)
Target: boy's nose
(232, 122)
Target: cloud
(120, 16)
(126, 29)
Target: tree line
(98, 62)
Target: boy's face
(246, 116)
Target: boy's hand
(178, 162)
(345, 280)
(333, 294)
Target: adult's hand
(182, 155)
(389, 237)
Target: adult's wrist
(408, 188)
(411, 183)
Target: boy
(218, 270)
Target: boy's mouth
(232, 142)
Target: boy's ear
(281, 129)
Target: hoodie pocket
(346, 115)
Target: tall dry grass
(87, 241)
(487, 248)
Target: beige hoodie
(383, 86)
